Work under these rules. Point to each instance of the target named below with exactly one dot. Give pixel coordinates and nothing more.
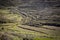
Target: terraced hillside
(47, 16)
(29, 19)
(12, 28)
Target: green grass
(43, 39)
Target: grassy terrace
(12, 29)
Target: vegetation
(10, 30)
(28, 20)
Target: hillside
(12, 27)
(29, 20)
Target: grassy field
(12, 29)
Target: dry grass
(11, 31)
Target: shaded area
(52, 24)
